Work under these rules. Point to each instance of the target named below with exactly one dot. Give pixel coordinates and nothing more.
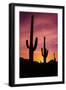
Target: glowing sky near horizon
(45, 24)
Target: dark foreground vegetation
(35, 69)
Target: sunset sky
(45, 24)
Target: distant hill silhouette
(36, 69)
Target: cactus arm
(46, 52)
(42, 51)
(35, 45)
(27, 44)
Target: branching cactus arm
(27, 44)
(36, 42)
(42, 51)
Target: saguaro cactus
(54, 57)
(44, 51)
(31, 47)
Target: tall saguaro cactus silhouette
(31, 47)
(44, 51)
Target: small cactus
(54, 57)
(44, 51)
(31, 47)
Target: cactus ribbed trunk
(31, 42)
(44, 51)
(30, 55)
(31, 47)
